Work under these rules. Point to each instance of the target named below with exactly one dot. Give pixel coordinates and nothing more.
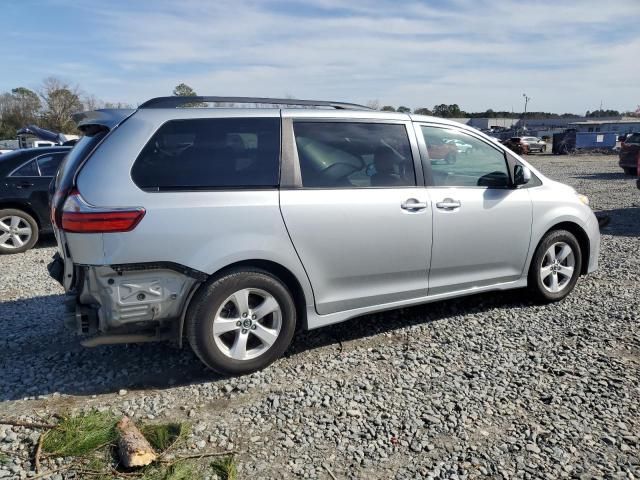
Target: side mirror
(521, 175)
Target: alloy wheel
(247, 324)
(15, 232)
(557, 268)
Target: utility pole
(524, 116)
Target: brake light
(80, 217)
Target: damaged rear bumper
(128, 303)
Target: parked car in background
(439, 149)
(461, 146)
(629, 154)
(230, 228)
(535, 144)
(25, 175)
(516, 145)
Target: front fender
(552, 208)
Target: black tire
(543, 149)
(450, 159)
(209, 300)
(630, 171)
(7, 247)
(537, 288)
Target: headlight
(583, 198)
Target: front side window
(211, 153)
(27, 170)
(49, 164)
(476, 164)
(354, 155)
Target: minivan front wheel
(555, 266)
(241, 322)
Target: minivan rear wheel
(18, 231)
(241, 322)
(555, 266)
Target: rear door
(30, 184)
(356, 210)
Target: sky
(567, 56)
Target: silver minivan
(233, 227)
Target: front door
(481, 225)
(358, 218)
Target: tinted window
(211, 153)
(348, 155)
(49, 164)
(28, 170)
(633, 138)
(479, 164)
(75, 157)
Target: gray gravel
(488, 386)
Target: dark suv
(25, 176)
(630, 154)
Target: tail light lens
(80, 217)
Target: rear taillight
(80, 217)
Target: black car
(629, 154)
(25, 175)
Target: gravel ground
(487, 386)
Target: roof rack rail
(179, 101)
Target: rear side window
(28, 170)
(354, 155)
(211, 153)
(49, 164)
(72, 161)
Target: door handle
(24, 185)
(448, 204)
(413, 205)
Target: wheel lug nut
(238, 324)
(253, 317)
(244, 330)
(253, 327)
(244, 315)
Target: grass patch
(91, 438)
(80, 434)
(163, 436)
(4, 458)
(181, 470)
(226, 468)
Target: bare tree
(61, 101)
(117, 105)
(91, 102)
(373, 104)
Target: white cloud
(477, 54)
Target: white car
(460, 145)
(535, 144)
